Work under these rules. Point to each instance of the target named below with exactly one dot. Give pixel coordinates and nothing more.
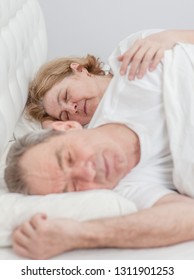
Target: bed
(23, 48)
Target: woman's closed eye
(66, 96)
(66, 113)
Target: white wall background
(78, 27)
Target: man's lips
(85, 109)
(107, 169)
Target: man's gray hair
(14, 175)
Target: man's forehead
(41, 159)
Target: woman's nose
(70, 107)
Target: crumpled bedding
(179, 110)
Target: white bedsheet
(183, 251)
(179, 109)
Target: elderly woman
(54, 95)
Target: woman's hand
(145, 54)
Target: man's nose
(70, 107)
(83, 171)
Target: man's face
(75, 161)
(74, 98)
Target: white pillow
(23, 48)
(86, 205)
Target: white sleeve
(144, 194)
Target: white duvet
(179, 109)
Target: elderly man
(126, 148)
(100, 158)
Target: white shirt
(139, 105)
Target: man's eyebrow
(59, 159)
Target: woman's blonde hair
(51, 73)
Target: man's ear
(65, 125)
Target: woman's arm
(145, 54)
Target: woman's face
(76, 97)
